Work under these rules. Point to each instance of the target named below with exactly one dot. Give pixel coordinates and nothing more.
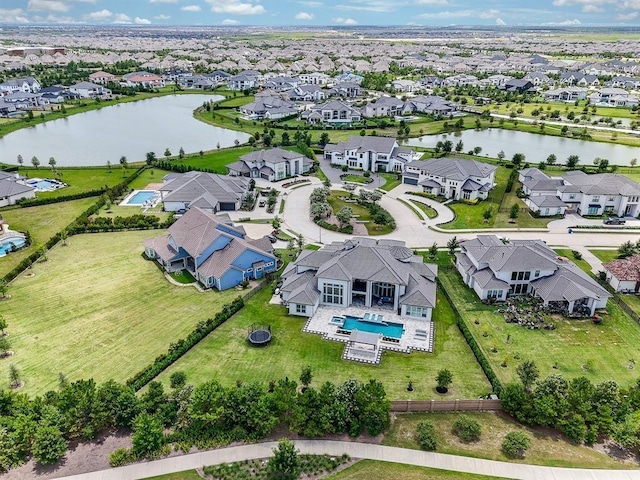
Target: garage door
(227, 206)
(410, 181)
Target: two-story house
(90, 90)
(495, 269)
(374, 154)
(245, 80)
(333, 112)
(385, 106)
(273, 164)
(21, 85)
(216, 253)
(453, 178)
(102, 77)
(361, 271)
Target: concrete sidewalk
(359, 450)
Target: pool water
(139, 198)
(6, 244)
(393, 330)
(44, 184)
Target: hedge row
(182, 346)
(112, 193)
(34, 202)
(475, 348)
(182, 168)
(107, 224)
(348, 229)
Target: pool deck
(418, 334)
(145, 205)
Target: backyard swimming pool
(387, 329)
(141, 197)
(45, 184)
(11, 243)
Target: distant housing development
(215, 252)
(495, 270)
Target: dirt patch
(615, 451)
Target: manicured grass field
(359, 211)
(577, 347)
(605, 255)
(215, 160)
(370, 469)
(428, 211)
(391, 181)
(148, 176)
(97, 309)
(79, 179)
(226, 356)
(42, 222)
(356, 179)
(547, 447)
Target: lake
(129, 129)
(535, 147)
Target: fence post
(456, 405)
(431, 405)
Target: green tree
(3, 321)
(167, 152)
(515, 444)
(452, 244)
(447, 146)
(181, 153)
(150, 157)
(147, 435)
(49, 446)
(433, 250)
(528, 373)
(286, 140)
(35, 162)
(178, 379)
(572, 161)
(627, 249)
(518, 159)
(21, 160)
(466, 429)
(501, 155)
(123, 162)
(52, 163)
(9, 454)
(459, 146)
(324, 139)
(306, 376)
(14, 376)
(426, 434)
(5, 346)
(300, 243)
(551, 159)
(487, 214)
(285, 464)
(109, 166)
(344, 215)
(444, 379)
(514, 211)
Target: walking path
(358, 450)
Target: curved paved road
(358, 450)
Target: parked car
(262, 203)
(614, 221)
(272, 239)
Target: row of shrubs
(34, 202)
(348, 229)
(475, 348)
(108, 224)
(182, 346)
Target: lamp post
(320, 232)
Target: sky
(324, 12)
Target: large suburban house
(102, 77)
(23, 85)
(244, 80)
(429, 104)
(143, 79)
(269, 105)
(453, 178)
(215, 252)
(333, 112)
(13, 188)
(361, 271)
(273, 164)
(385, 106)
(495, 270)
(597, 194)
(623, 274)
(374, 154)
(207, 191)
(90, 90)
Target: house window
(537, 273)
(495, 293)
(466, 194)
(596, 198)
(610, 199)
(592, 211)
(416, 311)
(301, 308)
(332, 293)
(546, 211)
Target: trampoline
(259, 337)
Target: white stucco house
(374, 154)
(273, 164)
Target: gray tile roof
(547, 201)
(454, 168)
(569, 283)
(273, 155)
(191, 186)
(603, 183)
(10, 188)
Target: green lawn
(42, 222)
(368, 469)
(391, 181)
(97, 309)
(336, 201)
(215, 160)
(150, 175)
(355, 179)
(605, 255)
(79, 179)
(428, 211)
(226, 356)
(577, 347)
(583, 264)
(547, 447)
(188, 475)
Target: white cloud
(191, 8)
(304, 16)
(344, 21)
(565, 23)
(48, 6)
(236, 7)
(15, 15)
(311, 4)
(500, 22)
(489, 14)
(100, 15)
(122, 18)
(592, 9)
(142, 21)
(380, 6)
(432, 2)
(229, 21)
(163, 1)
(588, 6)
(162, 17)
(627, 17)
